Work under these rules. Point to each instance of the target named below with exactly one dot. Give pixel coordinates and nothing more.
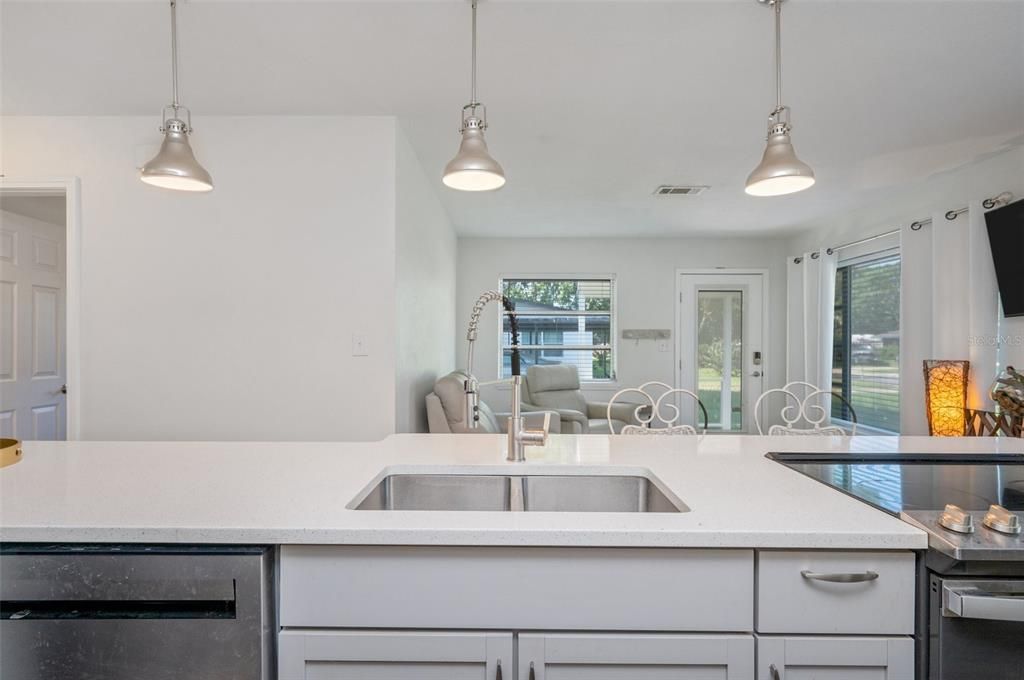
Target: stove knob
(1002, 520)
(956, 519)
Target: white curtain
(949, 308)
(810, 315)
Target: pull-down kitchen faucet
(518, 436)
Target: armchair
(446, 413)
(557, 389)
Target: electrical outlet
(360, 347)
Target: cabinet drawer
(622, 589)
(822, 592)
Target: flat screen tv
(1006, 236)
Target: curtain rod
(989, 203)
(815, 255)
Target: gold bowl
(10, 452)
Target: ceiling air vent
(679, 190)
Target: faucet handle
(536, 437)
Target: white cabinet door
(636, 657)
(835, 658)
(383, 655)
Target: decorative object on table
(805, 416)
(10, 452)
(991, 424)
(1008, 391)
(945, 394)
(650, 410)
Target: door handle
(533, 674)
(756, 374)
(497, 674)
(773, 672)
(860, 577)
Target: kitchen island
(300, 493)
(764, 571)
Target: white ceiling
(592, 103)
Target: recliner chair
(557, 388)
(446, 411)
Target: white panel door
(32, 344)
(636, 657)
(311, 654)
(835, 658)
(721, 347)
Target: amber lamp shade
(945, 393)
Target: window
(866, 344)
(562, 321)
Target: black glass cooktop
(895, 483)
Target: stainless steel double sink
(519, 493)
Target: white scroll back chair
(650, 410)
(806, 415)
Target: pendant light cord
(174, 56)
(472, 96)
(778, 55)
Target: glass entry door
(720, 355)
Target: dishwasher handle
(987, 600)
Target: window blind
(562, 321)
(866, 347)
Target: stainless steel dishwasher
(73, 612)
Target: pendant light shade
(473, 168)
(780, 171)
(175, 165)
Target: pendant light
(473, 168)
(780, 171)
(175, 166)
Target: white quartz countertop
(297, 493)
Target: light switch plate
(360, 347)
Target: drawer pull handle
(859, 577)
(773, 672)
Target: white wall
(425, 288)
(947, 275)
(230, 315)
(645, 271)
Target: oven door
(975, 629)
